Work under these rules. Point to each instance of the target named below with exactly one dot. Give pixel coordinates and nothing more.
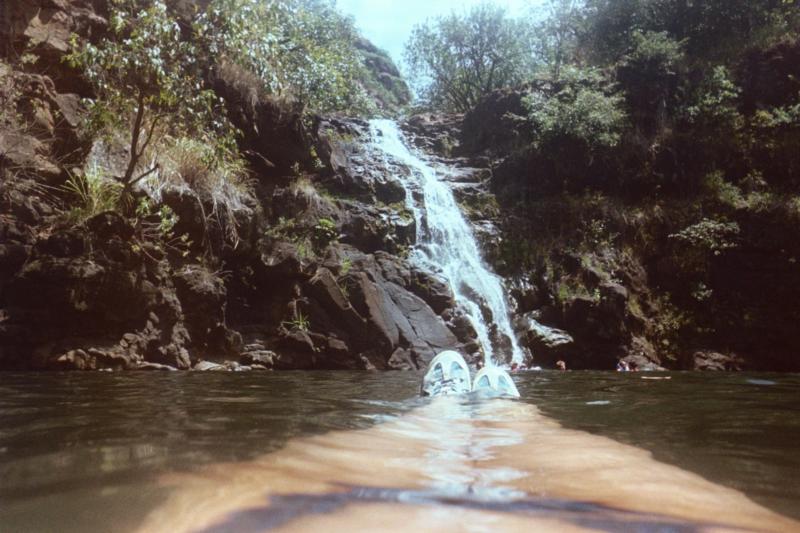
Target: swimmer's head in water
(448, 373)
(494, 380)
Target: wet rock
(325, 289)
(259, 357)
(435, 133)
(526, 294)
(76, 360)
(283, 260)
(296, 350)
(208, 366)
(428, 335)
(709, 360)
(432, 288)
(153, 367)
(548, 344)
(403, 359)
(458, 322)
(373, 229)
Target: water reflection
(457, 464)
(97, 452)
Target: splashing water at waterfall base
(446, 243)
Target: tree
(650, 75)
(713, 30)
(556, 38)
(583, 108)
(456, 60)
(299, 48)
(143, 74)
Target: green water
(82, 451)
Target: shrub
(585, 108)
(709, 234)
(325, 231)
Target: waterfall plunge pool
(249, 452)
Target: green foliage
(596, 233)
(654, 54)
(456, 60)
(649, 75)
(146, 78)
(205, 168)
(324, 232)
(711, 235)
(713, 30)
(786, 117)
(91, 193)
(585, 109)
(299, 322)
(668, 323)
(555, 39)
(345, 266)
(299, 48)
(716, 103)
(723, 191)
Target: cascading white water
(445, 241)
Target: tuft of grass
(91, 193)
(303, 189)
(299, 322)
(218, 176)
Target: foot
(448, 373)
(495, 380)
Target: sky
(388, 23)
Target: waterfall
(445, 241)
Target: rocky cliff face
(604, 272)
(382, 80)
(305, 271)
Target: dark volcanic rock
(275, 138)
(713, 361)
(496, 123)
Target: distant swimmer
(561, 365)
(622, 366)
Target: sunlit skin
(486, 466)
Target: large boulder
(548, 344)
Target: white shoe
(448, 373)
(496, 380)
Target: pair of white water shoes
(448, 374)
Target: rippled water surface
(83, 452)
